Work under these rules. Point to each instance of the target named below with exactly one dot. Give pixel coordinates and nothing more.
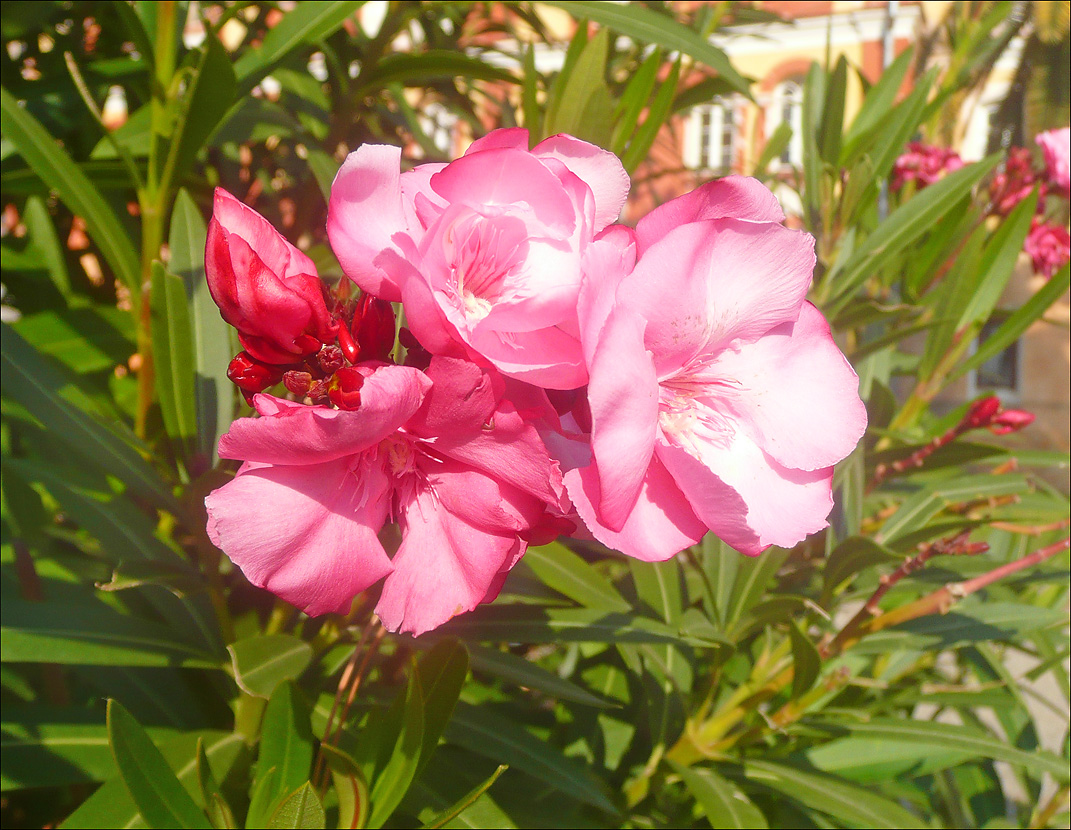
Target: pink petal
(623, 395)
(365, 210)
(481, 500)
(607, 261)
(291, 433)
(744, 496)
(508, 138)
(599, 169)
(419, 201)
(307, 534)
(507, 177)
(734, 197)
(461, 400)
(660, 525)
(443, 568)
(798, 396)
(708, 283)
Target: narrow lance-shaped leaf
(285, 750)
(806, 664)
(301, 809)
(56, 169)
(263, 661)
(396, 775)
(723, 803)
(656, 116)
(173, 355)
(161, 799)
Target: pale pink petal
(507, 138)
(365, 210)
(307, 534)
(291, 433)
(660, 525)
(550, 357)
(734, 197)
(795, 393)
(623, 395)
(444, 566)
(708, 283)
(420, 202)
(543, 293)
(507, 177)
(607, 261)
(748, 499)
(599, 169)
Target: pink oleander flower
(443, 453)
(1056, 147)
(1049, 247)
(264, 286)
(1014, 182)
(484, 252)
(718, 398)
(925, 164)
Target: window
(1000, 374)
(786, 107)
(710, 143)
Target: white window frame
(787, 93)
(707, 149)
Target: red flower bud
(298, 383)
(1011, 421)
(318, 392)
(981, 413)
(344, 388)
(349, 347)
(264, 286)
(331, 359)
(374, 326)
(252, 375)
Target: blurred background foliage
(144, 682)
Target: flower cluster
(558, 373)
(924, 164)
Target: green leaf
(832, 122)
(83, 338)
(173, 355)
(646, 26)
(418, 68)
(160, 797)
(847, 803)
(568, 574)
(397, 773)
(466, 801)
(1019, 321)
(442, 674)
(46, 394)
(806, 663)
(212, 92)
(876, 105)
(525, 624)
(305, 23)
(585, 108)
(658, 586)
(521, 672)
(854, 555)
(934, 736)
(530, 94)
(263, 661)
(814, 94)
(301, 809)
(59, 172)
(657, 113)
(906, 224)
(350, 787)
(43, 236)
(89, 635)
(216, 806)
(213, 392)
(723, 803)
(112, 806)
(49, 747)
(998, 263)
(774, 147)
(286, 749)
(506, 742)
(633, 100)
(180, 579)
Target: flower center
(486, 250)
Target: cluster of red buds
(364, 332)
(984, 413)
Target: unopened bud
(981, 413)
(252, 375)
(1012, 420)
(297, 383)
(331, 359)
(349, 347)
(373, 326)
(345, 388)
(318, 392)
